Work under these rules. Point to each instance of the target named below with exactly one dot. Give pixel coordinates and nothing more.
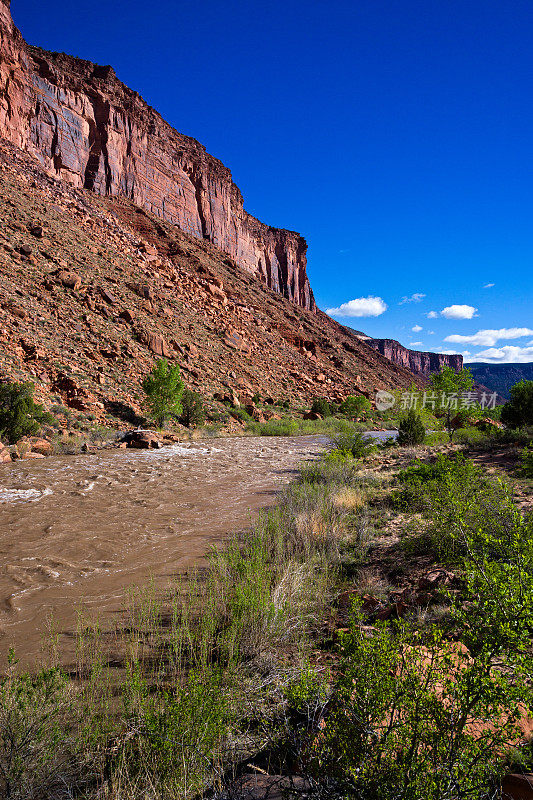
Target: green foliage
(256, 398)
(518, 411)
(354, 405)
(526, 461)
(163, 388)
(19, 414)
(411, 431)
(353, 443)
(402, 724)
(321, 406)
(37, 755)
(174, 736)
(193, 412)
(447, 381)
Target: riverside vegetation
(369, 637)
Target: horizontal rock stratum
(86, 127)
(418, 362)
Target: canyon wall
(86, 127)
(501, 377)
(419, 363)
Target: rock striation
(420, 363)
(87, 128)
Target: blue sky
(397, 137)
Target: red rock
(312, 415)
(42, 446)
(144, 158)
(108, 296)
(5, 455)
(156, 343)
(31, 454)
(421, 363)
(127, 315)
(70, 279)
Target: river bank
(272, 668)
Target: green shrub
(163, 388)
(20, 415)
(518, 411)
(401, 726)
(37, 751)
(193, 412)
(411, 431)
(354, 405)
(354, 443)
(321, 406)
(527, 462)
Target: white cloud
(415, 298)
(414, 344)
(488, 286)
(360, 307)
(416, 328)
(459, 312)
(507, 354)
(489, 337)
(432, 315)
(431, 333)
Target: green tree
(20, 415)
(192, 408)
(321, 406)
(449, 382)
(518, 411)
(164, 389)
(353, 405)
(411, 430)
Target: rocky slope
(93, 288)
(420, 363)
(88, 129)
(500, 377)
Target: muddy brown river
(86, 528)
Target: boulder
(142, 440)
(5, 455)
(71, 280)
(312, 415)
(156, 343)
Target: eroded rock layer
(86, 127)
(420, 363)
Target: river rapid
(84, 529)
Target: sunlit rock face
(86, 127)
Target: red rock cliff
(88, 128)
(420, 363)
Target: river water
(88, 527)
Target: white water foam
(22, 495)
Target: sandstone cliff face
(88, 128)
(418, 362)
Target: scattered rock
(108, 296)
(5, 455)
(156, 343)
(71, 280)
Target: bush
(163, 388)
(37, 753)
(354, 405)
(402, 726)
(321, 406)
(518, 411)
(411, 431)
(19, 414)
(527, 462)
(193, 412)
(354, 443)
